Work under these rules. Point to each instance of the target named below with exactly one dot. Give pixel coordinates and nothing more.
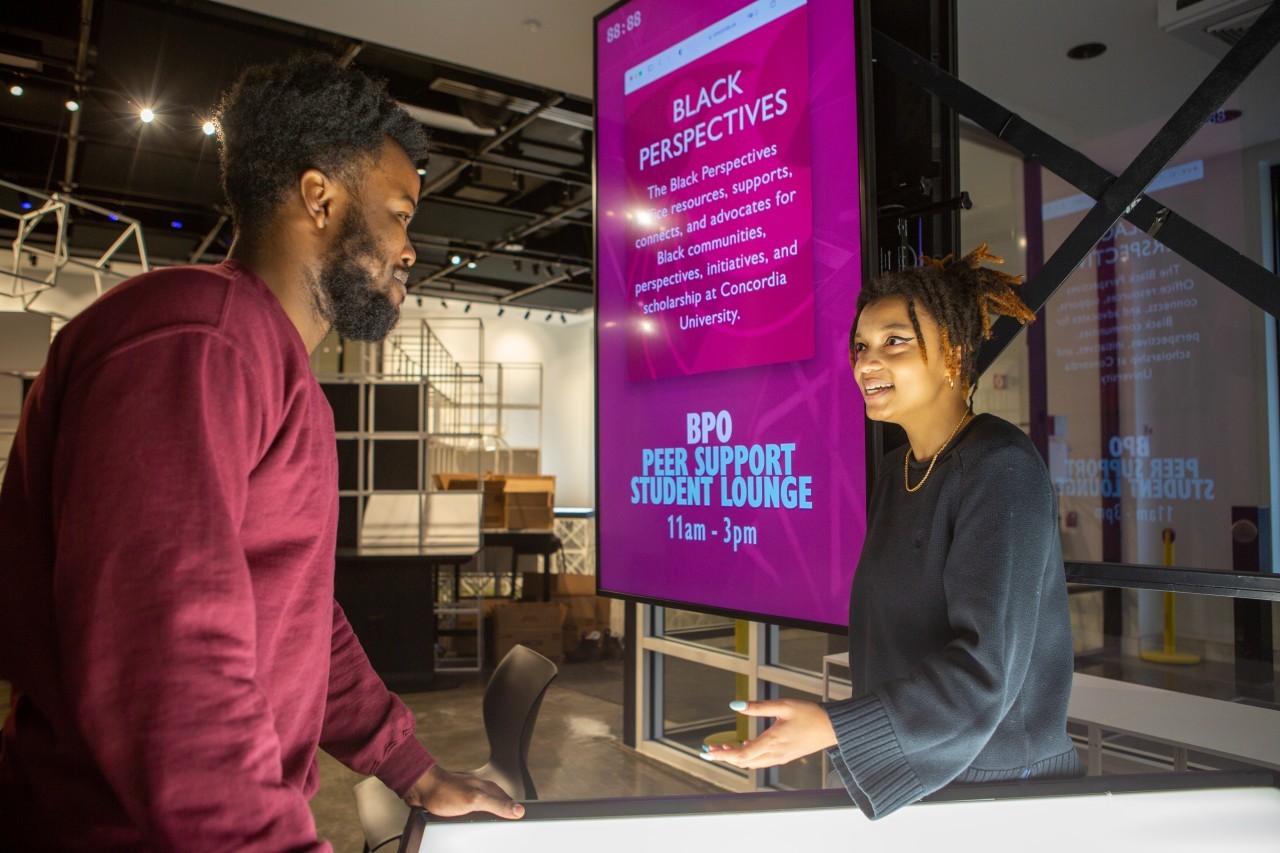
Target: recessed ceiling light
(1088, 50)
(209, 128)
(147, 115)
(16, 90)
(73, 105)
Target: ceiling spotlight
(175, 225)
(72, 105)
(519, 265)
(16, 90)
(526, 314)
(514, 247)
(114, 217)
(471, 265)
(549, 316)
(209, 128)
(24, 202)
(419, 301)
(455, 259)
(501, 311)
(537, 268)
(147, 115)
(444, 304)
(562, 319)
(467, 310)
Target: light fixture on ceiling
(467, 309)
(24, 201)
(514, 247)
(147, 115)
(419, 301)
(1088, 50)
(444, 304)
(526, 314)
(72, 105)
(519, 265)
(524, 106)
(471, 265)
(501, 311)
(537, 268)
(532, 25)
(455, 259)
(209, 128)
(562, 319)
(549, 316)
(16, 90)
(176, 225)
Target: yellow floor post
(1170, 653)
(741, 645)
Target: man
(168, 515)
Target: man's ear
(318, 192)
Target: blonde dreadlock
(960, 295)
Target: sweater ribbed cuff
(404, 765)
(869, 759)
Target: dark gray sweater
(959, 636)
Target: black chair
(512, 699)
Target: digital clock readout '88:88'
(618, 30)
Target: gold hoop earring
(951, 381)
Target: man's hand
(451, 794)
(801, 728)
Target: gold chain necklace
(906, 460)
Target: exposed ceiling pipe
(448, 177)
(208, 239)
(542, 285)
(498, 244)
(82, 60)
(349, 55)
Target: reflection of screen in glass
(1134, 335)
(731, 473)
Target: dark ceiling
(507, 191)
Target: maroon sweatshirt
(167, 529)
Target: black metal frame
(1122, 197)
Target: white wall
(566, 353)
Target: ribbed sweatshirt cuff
(869, 758)
(404, 765)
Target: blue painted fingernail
(707, 756)
(737, 705)
(706, 748)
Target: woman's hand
(801, 728)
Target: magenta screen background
(802, 566)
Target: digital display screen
(729, 259)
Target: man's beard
(346, 295)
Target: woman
(959, 637)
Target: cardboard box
(535, 624)
(494, 511)
(529, 502)
(532, 583)
(511, 501)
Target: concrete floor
(576, 753)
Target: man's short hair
(279, 120)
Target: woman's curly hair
(960, 295)
(279, 120)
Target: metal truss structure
(54, 213)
